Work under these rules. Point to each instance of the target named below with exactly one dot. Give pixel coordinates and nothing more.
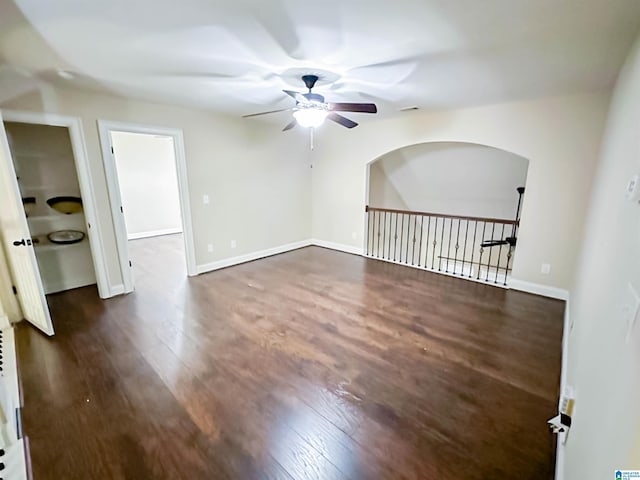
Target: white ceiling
(236, 55)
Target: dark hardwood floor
(312, 364)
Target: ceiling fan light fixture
(311, 110)
(310, 117)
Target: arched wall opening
(560, 136)
(452, 207)
(456, 178)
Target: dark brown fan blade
(344, 121)
(290, 125)
(354, 107)
(297, 95)
(265, 113)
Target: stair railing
(476, 248)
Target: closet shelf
(57, 188)
(56, 216)
(52, 247)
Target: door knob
(17, 243)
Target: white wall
(559, 136)
(262, 190)
(382, 191)
(604, 363)
(451, 178)
(257, 177)
(148, 183)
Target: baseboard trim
(63, 285)
(566, 332)
(559, 474)
(249, 257)
(153, 233)
(538, 289)
(341, 247)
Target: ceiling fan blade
(290, 125)
(297, 95)
(344, 121)
(353, 107)
(265, 113)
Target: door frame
(87, 191)
(367, 186)
(105, 127)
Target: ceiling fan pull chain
(311, 139)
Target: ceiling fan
(311, 110)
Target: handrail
(442, 215)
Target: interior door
(17, 243)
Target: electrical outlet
(209, 247)
(205, 199)
(233, 244)
(545, 269)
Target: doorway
(50, 192)
(48, 221)
(148, 191)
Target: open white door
(17, 243)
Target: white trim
(365, 213)
(539, 289)
(185, 202)
(228, 262)
(87, 192)
(560, 452)
(153, 233)
(115, 202)
(4, 322)
(566, 333)
(338, 246)
(69, 284)
(8, 300)
(105, 128)
(11, 394)
(117, 289)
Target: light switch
(205, 199)
(545, 269)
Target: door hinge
(112, 152)
(130, 264)
(19, 430)
(121, 209)
(15, 290)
